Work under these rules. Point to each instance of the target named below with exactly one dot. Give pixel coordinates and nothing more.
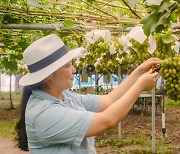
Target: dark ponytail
(20, 126)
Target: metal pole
(79, 82)
(153, 122)
(55, 26)
(163, 112)
(119, 81)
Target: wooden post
(96, 83)
(10, 92)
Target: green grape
(139, 52)
(170, 72)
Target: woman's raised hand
(148, 80)
(148, 64)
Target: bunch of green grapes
(163, 50)
(139, 52)
(95, 51)
(170, 71)
(99, 55)
(110, 61)
(117, 45)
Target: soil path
(7, 146)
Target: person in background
(58, 121)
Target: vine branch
(99, 9)
(131, 9)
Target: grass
(148, 150)
(143, 148)
(16, 96)
(7, 128)
(172, 103)
(8, 106)
(117, 143)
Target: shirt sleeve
(60, 124)
(90, 102)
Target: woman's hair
(20, 126)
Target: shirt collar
(44, 95)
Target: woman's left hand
(148, 64)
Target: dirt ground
(7, 146)
(133, 124)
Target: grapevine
(139, 52)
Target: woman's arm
(118, 110)
(121, 89)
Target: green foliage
(7, 128)
(118, 143)
(66, 17)
(148, 150)
(16, 41)
(68, 23)
(172, 103)
(15, 95)
(160, 18)
(90, 1)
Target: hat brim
(32, 78)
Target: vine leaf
(159, 19)
(68, 23)
(149, 23)
(13, 1)
(90, 1)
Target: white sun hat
(45, 56)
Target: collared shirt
(54, 126)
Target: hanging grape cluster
(163, 50)
(99, 55)
(139, 52)
(94, 52)
(170, 71)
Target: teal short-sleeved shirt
(59, 127)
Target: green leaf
(68, 23)
(167, 38)
(13, 1)
(159, 19)
(4, 1)
(173, 17)
(90, 1)
(149, 23)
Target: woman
(60, 121)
